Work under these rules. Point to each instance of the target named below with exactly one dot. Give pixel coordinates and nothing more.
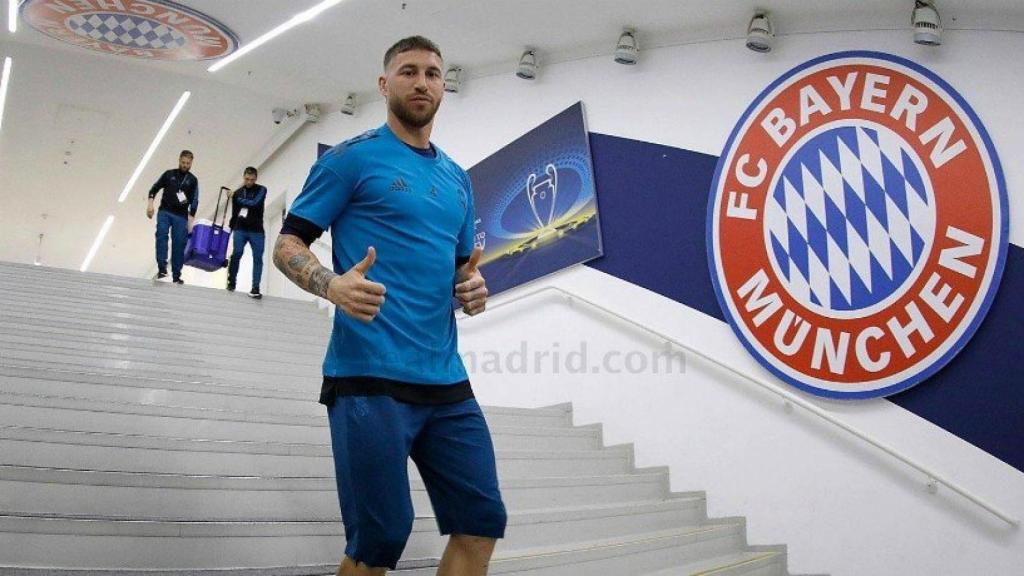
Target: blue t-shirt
(417, 212)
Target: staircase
(174, 430)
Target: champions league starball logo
(857, 226)
(150, 29)
(544, 206)
(543, 192)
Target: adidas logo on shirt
(399, 185)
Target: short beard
(408, 117)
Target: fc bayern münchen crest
(150, 29)
(858, 225)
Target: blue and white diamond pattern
(850, 218)
(125, 30)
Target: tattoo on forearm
(297, 262)
(319, 280)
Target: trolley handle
(216, 211)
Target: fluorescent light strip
(294, 21)
(96, 243)
(152, 147)
(5, 79)
(12, 16)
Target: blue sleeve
(157, 186)
(467, 235)
(326, 193)
(259, 198)
(194, 206)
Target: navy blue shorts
(373, 438)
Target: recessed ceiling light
(12, 16)
(292, 22)
(97, 243)
(153, 146)
(5, 79)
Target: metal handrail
(933, 477)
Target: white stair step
(614, 556)
(56, 492)
(196, 370)
(550, 425)
(202, 326)
(248, 348)
(551, 417)
(137, 392)
(504, 438)
(110, 378)
(745, 563)
(161, 328)
(27, 298)
(157, 544)
(511, 463)
(202, 424)
(127, 348)
(56, 280)
(592, 558)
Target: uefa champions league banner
(536, 204)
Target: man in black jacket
(178, 207)
(247, 225)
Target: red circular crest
(858, 225)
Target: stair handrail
(934, 478)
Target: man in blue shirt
(247, 228)
(401, 218)
(178, 207)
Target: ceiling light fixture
(312, 112)
(453, 79)
(348, 108)
(153, 146)
(627, 49)
(292, 22)
(527, 69)
(760, 33)
(5, 79)
(97, 242)
(12, 16)
(927, 24)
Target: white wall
(841, 507)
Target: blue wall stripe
(653, 201)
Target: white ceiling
(104, 109)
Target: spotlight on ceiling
(627, 50)
(760, 33)
(312, 113)
(927, 24)
(527, 69)
(348, 108)
(453, 79)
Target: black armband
(301, 228)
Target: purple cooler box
(207, 247)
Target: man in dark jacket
(247, 225)
(178, 207)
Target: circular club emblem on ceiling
(858, 225)
(151, 29)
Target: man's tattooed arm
(296, 261)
